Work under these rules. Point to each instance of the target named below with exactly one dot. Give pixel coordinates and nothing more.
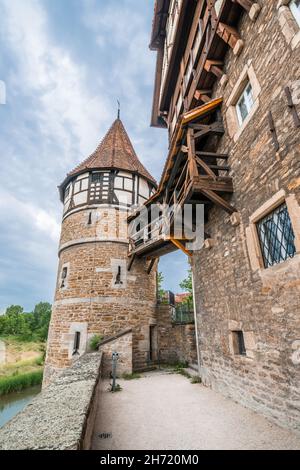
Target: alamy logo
(2, 92)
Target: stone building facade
(98, 291)
(239, 60)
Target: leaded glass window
(276, 236)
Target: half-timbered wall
(113, 187)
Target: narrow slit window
(90, 219)
(245, 103)
(118, 276)
(76, 345)
(295, 9)
(64, 275)
(238, 343)
(276, 236)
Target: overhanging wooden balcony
(194, 173)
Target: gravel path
(165, 411)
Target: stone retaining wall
(62, 416)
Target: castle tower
(97, 291)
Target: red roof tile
(114, 151)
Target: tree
(160, 280)
(187, 285)
(26, 326)
(41, 319)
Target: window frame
(238, 343)
(277, 245)
(249, 103)
(295, 10)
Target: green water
(12, 403)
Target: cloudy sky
(64, 64)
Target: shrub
(196, 379)
(94, 342)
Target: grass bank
(18, 382)
(23, 367)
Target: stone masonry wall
(123, 346)
(176, 343)
(234, 291)
(62, 416)
(91, 301)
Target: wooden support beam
(204, 129)
(213, 66)
(206, 168)
(217, 199)
(229, 34)
(202, 95)
(193, 169)
(246, 4)
(131, 261)
(151, 264)
(292, 107)
(273, 131)
(180, 246)
(220, 167)
(221, 156)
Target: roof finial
(119, 108)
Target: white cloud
(67, 111)
(33, 215)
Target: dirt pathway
(165, 411)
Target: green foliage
(184, 373)
(132, 376)
(94, 342)
(17, 382)
(160, 280)
(187, 286)
(180, 365)
(118, 388)
(31, 326)
(195, 380)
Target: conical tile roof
(114, 151)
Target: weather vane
(119, 108)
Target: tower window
(96, 177)
(90, 219)
(118, 276)
(64, 275)
(76, 343)
(276, 236)
(245, 103)
(295, 9)
(238, 343)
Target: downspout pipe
(196, 326)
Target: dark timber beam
(202, 95)
(246, 4)
(214, 66)
(131, 262)
(272, 129)
(292, 106)
(219, 200)
(228, 34)
(151, 264)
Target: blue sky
(65, 63)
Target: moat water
(12, 403)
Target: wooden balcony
(194, 173)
